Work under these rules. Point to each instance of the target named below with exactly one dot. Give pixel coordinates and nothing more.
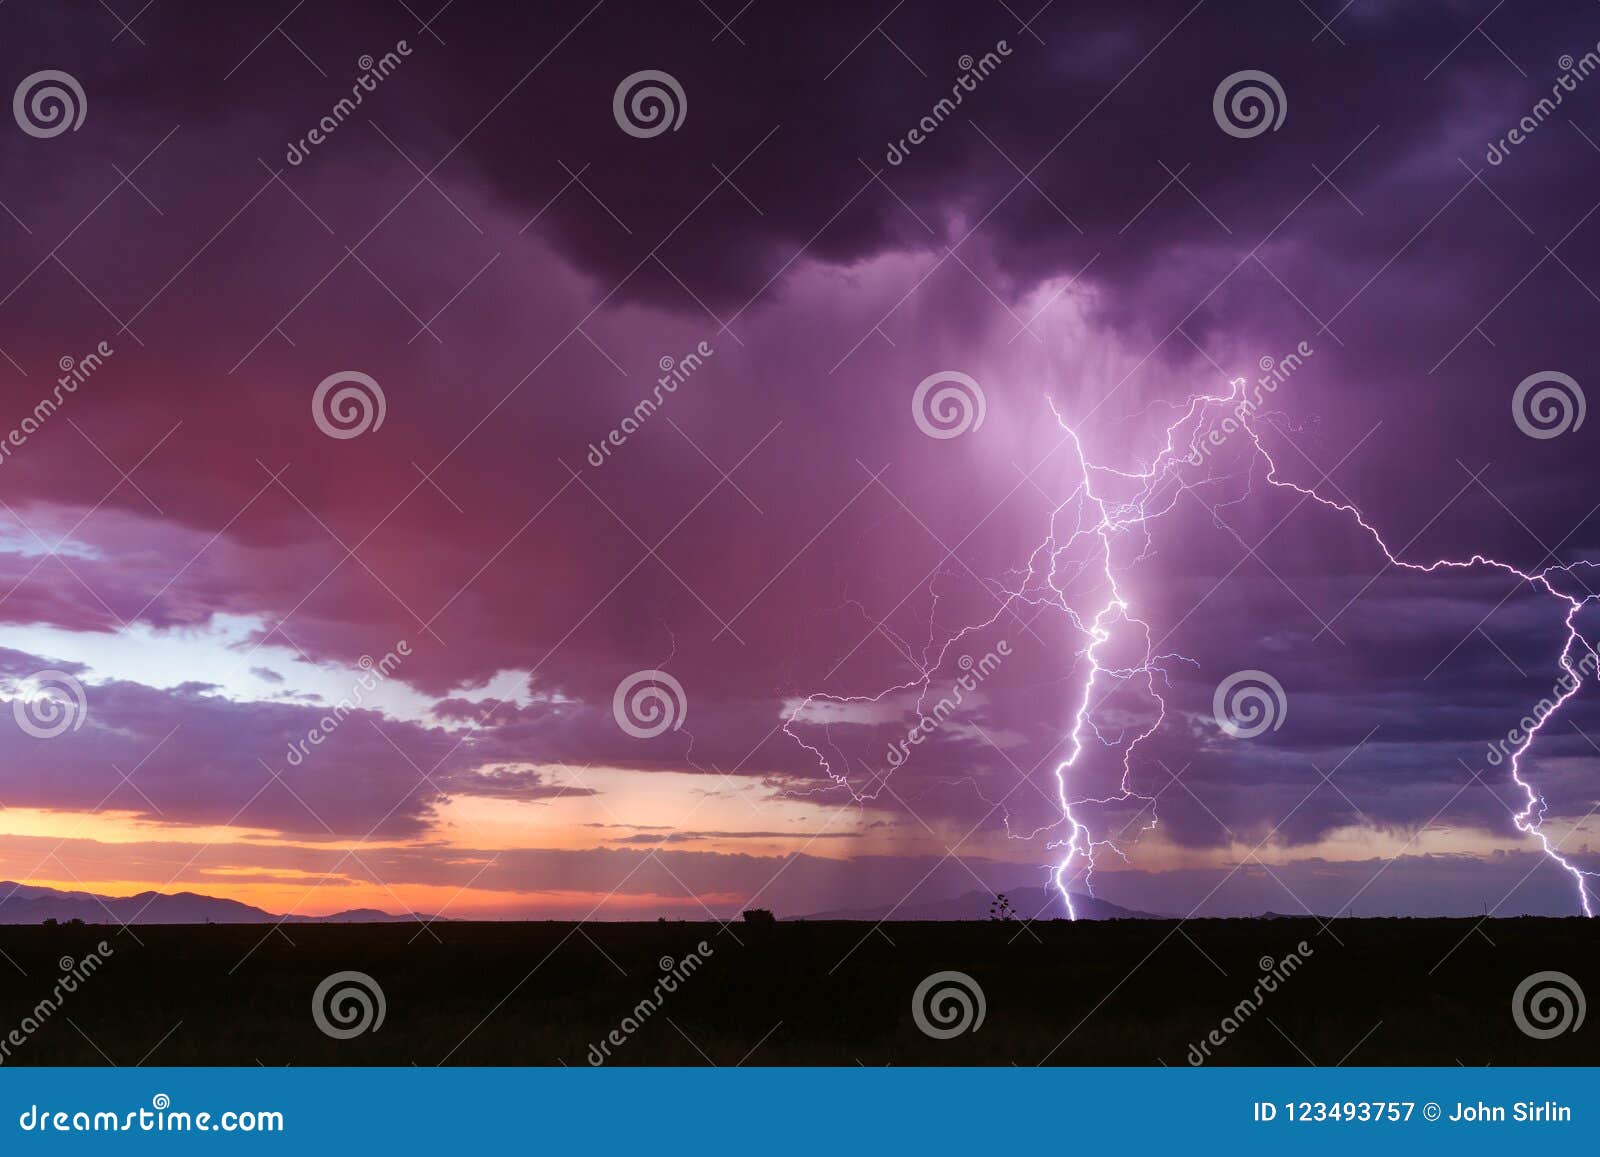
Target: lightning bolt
(1094, 536)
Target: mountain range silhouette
(30, 904)
(1033, 903)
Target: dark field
(1135, 992)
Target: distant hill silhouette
(1028, 903)
(28, 904)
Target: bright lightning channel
(1104, 525)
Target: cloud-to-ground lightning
(1094, 537)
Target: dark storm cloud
(517, 302)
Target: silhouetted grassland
(1136, 992)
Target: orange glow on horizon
(448, 902)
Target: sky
(650, 418)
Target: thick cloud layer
(482, 239)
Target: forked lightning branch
(1105, 525)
